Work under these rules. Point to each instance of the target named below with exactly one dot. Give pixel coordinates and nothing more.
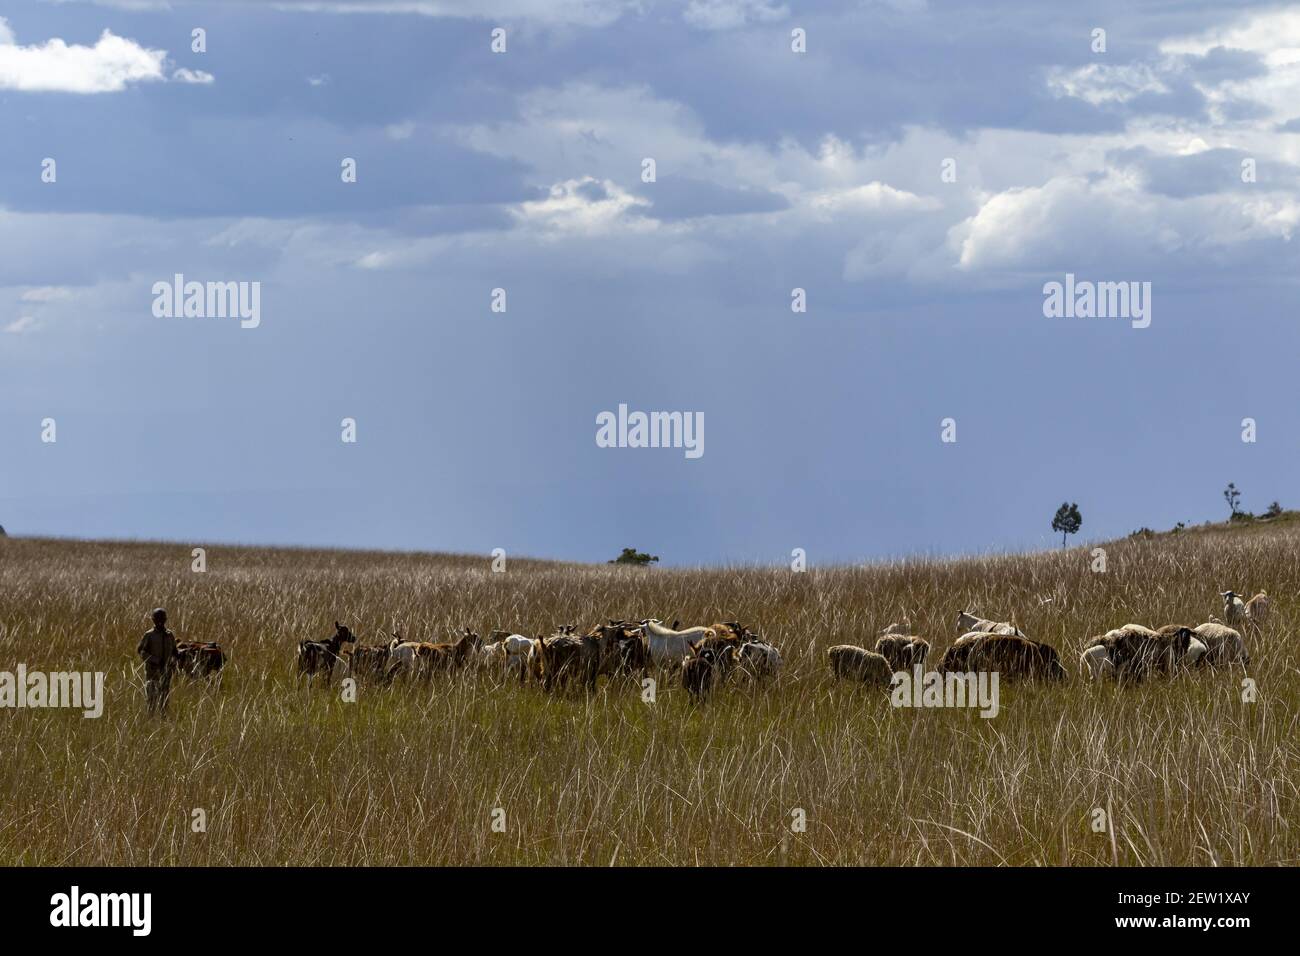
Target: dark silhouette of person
(158, 651)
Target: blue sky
(522, 170)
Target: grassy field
(1189, 773)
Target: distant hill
(1241, 524)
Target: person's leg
(164, 690)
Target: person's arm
(142, 649)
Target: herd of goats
(706, 656)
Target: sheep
(967, 622)
(1181, 647)
(858, 663)
(1134, 651)
(1095, 662)
(1223, 644)
(903, 652)
(903, 630)
(1258, 609)
(1234, 609)
(1015, 657)
(954, 658)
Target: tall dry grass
(411, 774)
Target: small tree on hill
(1233, 497)
(1273, 511)
(633, 556)
(1067, 520)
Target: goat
(967, 622)
(199, 658)
(704, 669)
(369, 661)
(320, 656)
(667, 646)
(758, 660)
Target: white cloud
(730, 14)
(55, 66)
(47, 293)
(25, 323)
(585, 206)
(1112, 222)
(872, 197)
(1273, 33)
(199, 77)
(400, 131)
(593, 13)
(1099, 83)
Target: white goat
(967, 623)
(759, 659)
(668, 646)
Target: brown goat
(199, 658)
(564, 658)
(369, 661)
(704, 669)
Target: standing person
(158, 651)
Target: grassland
(1189, 773)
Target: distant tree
(2, 531)
(633, 556)
(1067, 520)
(1273, 511)
(1233, 497)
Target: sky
(921, 173)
